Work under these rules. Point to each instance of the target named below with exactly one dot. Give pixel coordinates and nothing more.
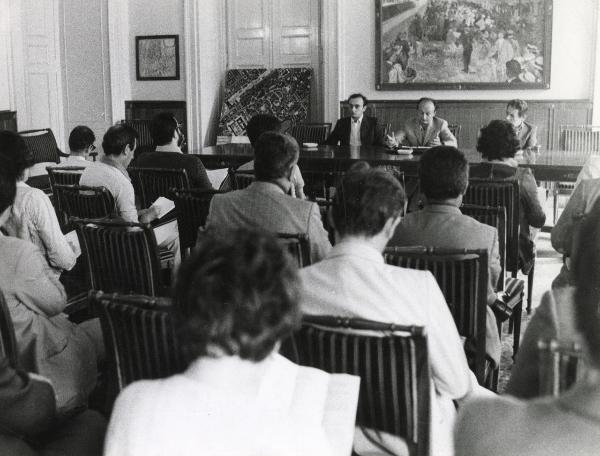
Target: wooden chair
(192, 208)
(85, 202)
(8, 341)
(298, 245)
(392, 362)
(455, 130)
(151, 183)
(42, 145)
(561, 365)
(140, 339)
(462, 275)
(240, 179)
(511, 303)
(64, 175)
(120, 256)
(144, 142)
(310, 132)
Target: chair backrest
(580, 138)
(240, 179)
(310, 132)
(462, 275)
(85, 202)
(298, 245)
(192, 210)
(500, 193)
(392, 363)
(139, 335)
(455, 130)
(496, 217)
(8, 341)
(150, 183)
(42, 145)
(142, 126)
(64, 175)
(561, 365)
(119, 256)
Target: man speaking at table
(358, 129)
(424, 130)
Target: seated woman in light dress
(235, 300)
(32, 216)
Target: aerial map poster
(460, 44)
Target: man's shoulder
(440, 123)
(529, 126)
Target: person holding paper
(32, 216)
(236, 298)
(353, 281)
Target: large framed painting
(463, 44)
(157, 57)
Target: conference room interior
(117, 302)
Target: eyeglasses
(92, 147)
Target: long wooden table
(557, 166)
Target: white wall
(164, 17)
(5, 68)
(573, 56)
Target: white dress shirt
(355, 131)
(354, 281)
(33, 218)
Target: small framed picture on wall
(157, 57)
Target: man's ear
(390, 226)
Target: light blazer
(371, 133)
(445, 226)
(437, 133)
(264, 205)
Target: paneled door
(277, 34)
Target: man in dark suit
(358, 129)
(444, 176)
(265, 203)
(516, 113)
(168, 137)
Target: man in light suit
(358, 129)
(516, 113)
(424, 130)
(266, 202)
(444, 176)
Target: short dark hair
(513, 68)
(443, 172)
(162, 128)
(238, 293)
(274, 154)
(17, 154)
(8, 184)
(586, 273)
(81, 137)
(365, 200)
(498, 140)
(358, 95)
(117, 138)
(260, 123)
(519, 105)
(424, 99)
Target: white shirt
(355, 131)
(32, 218)
(354, 281)
(168, 148)
(73, 160)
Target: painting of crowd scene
(463, 44)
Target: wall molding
(192, 73)
(330, 58)
(118, 50)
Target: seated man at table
(354, 281)
(255, 127)
(358, 129)
(168, 137)
(265, 203)
(516, 113)
(423, 130)
(444, 176)
(110, 171)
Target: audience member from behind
(354, 281)
(444, 177)
(498, 144)
(47, 342)
(81, 145)
(568, 424)
(256, 126)
(266, 202)
(32, 216)
(168, 138)
(423, 130)
(516, 113)
(358, 129)
(236, 299)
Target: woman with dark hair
(568, 424)
(32, 216)
(236, 299)
(498, 144)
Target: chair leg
(530, 288)
(516, 317)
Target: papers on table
(73, 241)
(216, 176)
(163, 206)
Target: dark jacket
(371, 134)
(173, 160)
